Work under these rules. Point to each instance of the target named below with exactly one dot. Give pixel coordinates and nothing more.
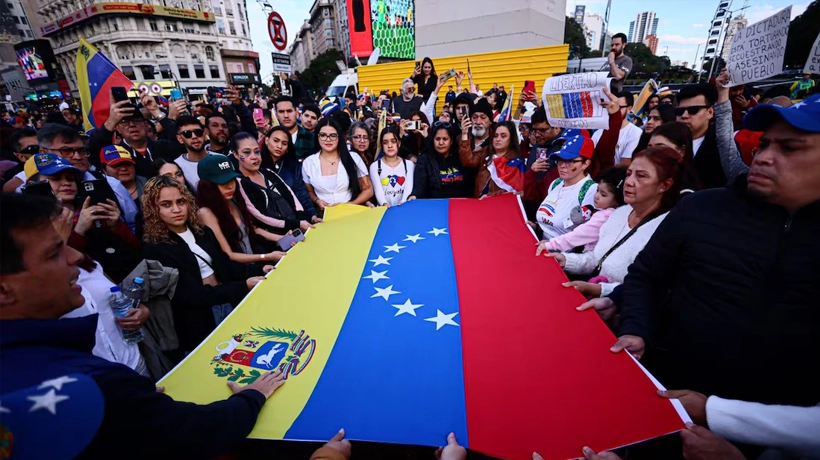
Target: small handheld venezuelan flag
(96, 75)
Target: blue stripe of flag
(395, 375)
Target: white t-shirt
(205, 269)
(188, 168)
(108, 343)
(696, 143)
(628, 139)
(554, 213)
(394, 185)
(333, 189)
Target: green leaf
(223, 372)
(250, 378)
(273, 333)
(236, 376)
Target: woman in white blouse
(652, 188)
(333, 175)
(391, 175)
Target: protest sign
(574, 101)
(813, 61)
(757, 51)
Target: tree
(322, 70)
(720, 64)
(802, 32)
(643, 60)
(575, 37)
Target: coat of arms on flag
(243, 357)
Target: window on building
(244, 33)
(215, 72)
(23, 20)
(178, 51)
(165, 71)
(328, 32)
(251, 68)
(10, 5)
(153, 25)
(220, 25)
(171, 27)
(183, 71)
(199, 71)
(330, 42)
(140, 24)
(147, 72)
(129, 72)
(209, 53)
(233, 29)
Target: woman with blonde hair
(210, 283)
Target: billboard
(385, 24)
(579, 14)
(120, 8)
(36, 59)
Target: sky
(682, 24)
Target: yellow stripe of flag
(340, 245)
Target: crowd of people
(692, 235)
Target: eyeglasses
(540, 130)
(331, 136)
(690, 110)
(445, 124)
(130, 121)
(189, 133)
(561, 161)
(360, 137)
(30, 150)
(66, 152)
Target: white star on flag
(57, 383)
(3, 410)
(438, 231)
(381, 261)
(385, 293)
(414, 238)
(394, 248)
(407, 307)
(442, 319)
(798, 105)
(47, 401)
(375, 276)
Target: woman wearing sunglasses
(333, 175)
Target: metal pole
(606, 29)
(695, 61)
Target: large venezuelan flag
(406, 324)
(96, 75)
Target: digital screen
(393, 28)
(32, 64)
(35, 58)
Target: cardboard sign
(813, 61)
(574, 101)
(758, 50)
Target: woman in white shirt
(652, 188)
(333, 175)
(391, 175)
(573, 188)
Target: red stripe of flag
(560, 387)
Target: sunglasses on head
(445, 124)
(189, 133)
(679, 111)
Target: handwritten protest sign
(813, 61)
(757, 51)
(574, 101)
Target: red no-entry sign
(277, 30)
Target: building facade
(651, 42)
(240, 61)
(644, 24)
(322, 19)
(301, 51)
(735, 25)
(594, 28)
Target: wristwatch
(159, 117)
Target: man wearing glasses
(695, 111)
(66, 142)
(24, 145)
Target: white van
(344, 83)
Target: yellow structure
(506, 68)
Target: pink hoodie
(584, 234)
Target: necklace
(331, 163)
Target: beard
(479, 131)
(198, 149)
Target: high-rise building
(322, 19)
(190, 44)
(644, 24)
(735, 25)
(651, 42)
(301, 51)
(716, 29)
(594, 28)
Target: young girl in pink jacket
(610, 195)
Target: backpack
(581, 193)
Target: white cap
(63, 105)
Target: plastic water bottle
(134, 292)
(120, 305)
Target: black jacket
(160, 148)
(192, 302)
(170, 429)
(707, 162)
(427, 180)
(280, 207)
(725, 296)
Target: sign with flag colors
(96, 75)
(421, 324)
